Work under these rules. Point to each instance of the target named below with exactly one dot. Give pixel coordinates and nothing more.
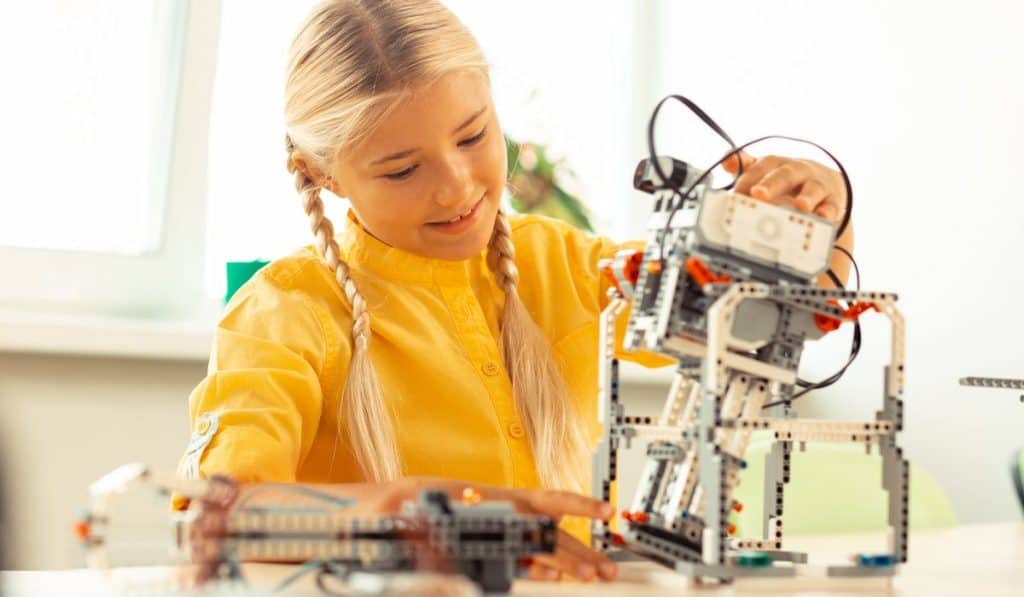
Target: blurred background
(144, 150)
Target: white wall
(66, 421)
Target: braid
(362, 405)
(501, 257)
(541, 395)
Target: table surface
(983, 560)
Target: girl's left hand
(805, 185)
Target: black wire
(856, 270)
(735, 151)
(328, 570)
(653, 154)
(855, 345)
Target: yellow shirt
(281, 355)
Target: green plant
(540, 185)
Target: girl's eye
(474, 139)
(401, 175)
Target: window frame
(137, 286)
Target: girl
(433, 340)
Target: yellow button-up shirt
(282, 349)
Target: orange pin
(82, 529)
(471, 496)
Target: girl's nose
(455, 185)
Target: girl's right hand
(570, 557)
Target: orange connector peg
(82, 529)
(857, 309)
(831, 324)
(702, 274)
(632, 267)
(605, 266)
(639, 517)
(731, 529)
(824, 322)
(471, 496)
(617, 539)
(737, 507)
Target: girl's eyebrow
(401, 154)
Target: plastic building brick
(754, 559)
(874, 561)
(994, 382)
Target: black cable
(653, 154)
(856, 270)
(330, 570)
(855, 345)
(734, 151)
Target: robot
(726, 285)
(485, 541)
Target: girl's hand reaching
(570, 557)
(805, 185)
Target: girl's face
(429, 178)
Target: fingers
(732, 163)
(543, 572)
(791, 183)
(574, 558)
(779, 185)
(564, 503)
(828, 210)
(755, 172)
(811, 195)
(388, 497)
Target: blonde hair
(350, 63)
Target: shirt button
(516, 430)
(490, 368)
(203, 426)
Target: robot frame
(726, 285)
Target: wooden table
(974, 560)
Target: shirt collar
(365, 253)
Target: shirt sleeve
(255, 415)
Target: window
(99, 138)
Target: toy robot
(727, 285)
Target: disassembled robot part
(225, 524)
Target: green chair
(835, 488)
(238, 273)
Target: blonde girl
(431, 339)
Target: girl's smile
(460, 223)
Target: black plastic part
(646, 178)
